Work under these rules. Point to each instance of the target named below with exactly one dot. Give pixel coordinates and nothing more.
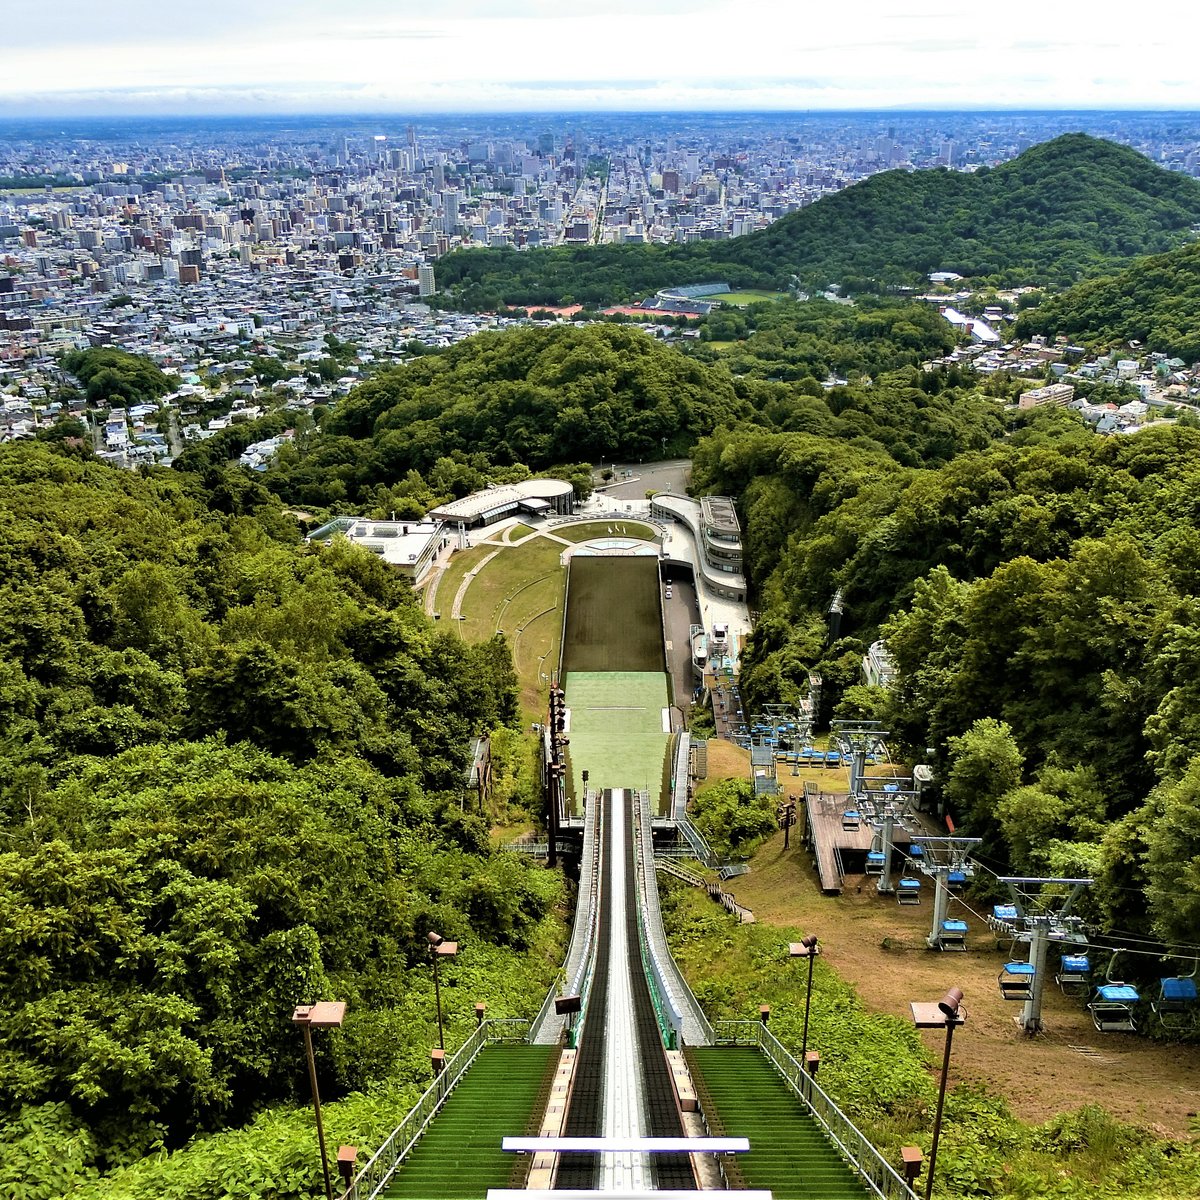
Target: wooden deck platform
(827, 837)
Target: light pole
(439, 948)
(946, 1014)
(805, 948)
(325, 1015)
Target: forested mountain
(500, 405)
(1043, 608)
(1156, 301)
(231, 781)
(535, 397)
(1068, 208)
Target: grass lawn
(600, 529)
(740, 298)
(456, 570)
(519, 593)
(516, 532)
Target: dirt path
(879, 946)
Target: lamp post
(439, 948)
(946, 1014)
(325, 1015)
(806, 948)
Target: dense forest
(1041, 605)
(1067, 209)
(1156, 302)
(231, 782)
(498, 406)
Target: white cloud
(640, 54)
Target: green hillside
(1068, 208)
(230, 782)
(1156, 301)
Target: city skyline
(623, 55)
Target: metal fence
(695, 839)
(377, 1174)
(874, 1170)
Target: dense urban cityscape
(204, 244)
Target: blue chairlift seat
(891, 787)
(1016, 981)
(1003, 918)
(1075, 974)
(874, 862)
(908, 891)
(851, 819)
(917, 851)
(1176, 1000)
(1112, 1008)
(956, 880)
(953, 935)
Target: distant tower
(425, 282)
(450, 212)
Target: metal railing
(695, 839)
(579, 966)
(679, 1005)
(670, 868)
(378, 1172)
(873, 1169)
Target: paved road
(672, 475)
(681, 611)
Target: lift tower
(1041, 918)
(943, 858)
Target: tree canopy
(232, 780)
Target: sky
(80, 57)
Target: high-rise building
(425, 281)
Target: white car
(668, 593)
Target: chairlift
(1176, 1002)
(953, 935)
(908, 891)
(1074, 974)
(851, 819)
(875, 863)
(1016, 981)
(956, 881)
(1112, 1004)
(1003, 920)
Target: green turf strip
(616, 728)
(459, 1158)
(789, 1155)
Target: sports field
(614, 618)
(747, 297)
(616, 728)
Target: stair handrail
(678, 999)
(884, 1181)
(377, 1174)
(671, 868)
(695, 839)
(581, 950)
